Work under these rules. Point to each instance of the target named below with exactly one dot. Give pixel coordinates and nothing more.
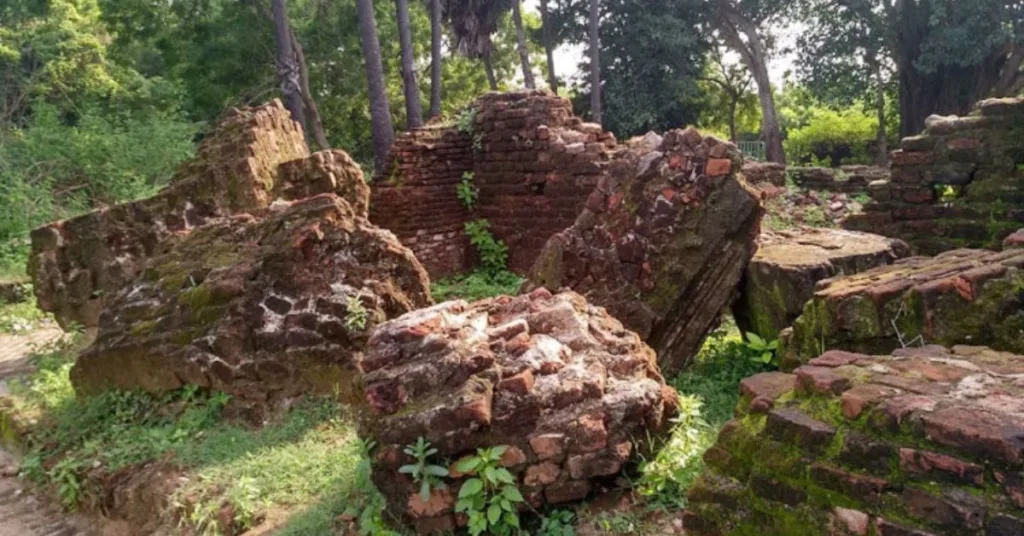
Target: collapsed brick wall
(845, 179)
(76, 263)
(532, 160)
(535, 169)
(414, 196)
(927, 442)
(958, 184)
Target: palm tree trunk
(413, 111)
(435, 58)
(287, 70)
(489, 68)
(524, 53)
(380, 112)
(595, 62)
(316, 126)
(549, 48)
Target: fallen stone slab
(782, 276)
(927, 441)
(662, 243)
(251, 158)
(570, 393)
(262, 307)
(958, 297)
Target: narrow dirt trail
(22, 513)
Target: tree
(732, 81)
(549, 47)
(413, 112)
(595, 61)
(651, 55)
(738, 28)
(312, 111)
(524, 53)
(435, 58)
(473, 22)
(944, 55)
(287, 67)
(382, 128)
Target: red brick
(718, 167)
(941, 465)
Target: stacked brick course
(927, 442)
(532, 160)
(846, 179)
(414, 196)
(958, 184)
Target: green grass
(709, 392)
(19, 318)
(476, 286)
(302, 463)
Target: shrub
(828, 134)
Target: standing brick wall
(958, 184)
(532, 160)
(415, 197)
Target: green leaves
(763, 351)
(490, 498)
(424, 473)
(493, 253)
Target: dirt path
(21, 513)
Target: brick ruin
(532, 160)
(572, 396)
(958, 184)
(844, 179)
(75, 264)
(926, 442)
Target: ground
(22, 513)
(304, 473)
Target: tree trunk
(380, 112)
(287, 69)
(548, 45)
(734, 101)
(524, 53)
(435, 58)
(316, 126)
(595, 62)
(731, 23)
(413, 111)
(489, 69)
(883, 144)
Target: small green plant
(65, 475)
(476, 286)
(947, 193)
(815, 217)
(367, 504)
(493, 252)
(356, 316)
(490, 498)
(467, 190)
(466, 121)
(763, 351)
(558, 523)
(424, 473)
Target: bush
(58, 167)
(833, 137)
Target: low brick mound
(958, 297)
(563, 385)
(782, 276)
(929, 441)
(263, 308)
(251, 158)
(15, 291)
(844, 179)
(758, 173)
(662, 242)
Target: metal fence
(752, 149)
